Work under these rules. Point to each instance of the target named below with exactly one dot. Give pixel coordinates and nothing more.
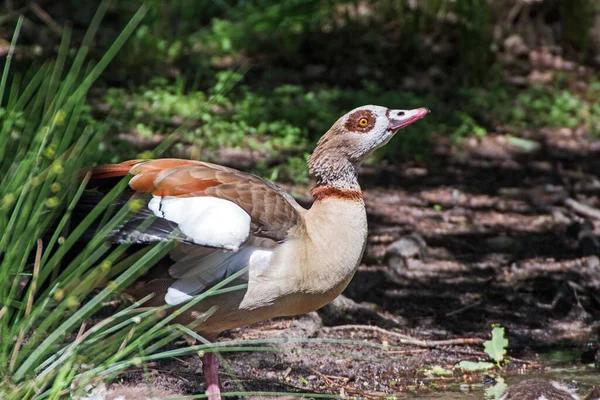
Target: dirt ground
(491, 231)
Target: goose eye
(363, 122)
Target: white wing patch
(176, 296)
(196, 274)
(208, 221)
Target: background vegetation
(274, 76)
(252, 83)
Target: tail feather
(113, 170)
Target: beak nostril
(400, 113)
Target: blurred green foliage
(374, 39)
(558, 107)
(272, 77)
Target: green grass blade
(9, 56)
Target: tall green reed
(47, 276)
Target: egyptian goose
(298, 260)
(539, 389)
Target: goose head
(356, 135)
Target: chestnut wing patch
(221, 202)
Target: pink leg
(210, 367)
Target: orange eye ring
(363, 122)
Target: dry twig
(582, 209)
(46, 18)
(405, 339)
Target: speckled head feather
(352, 138)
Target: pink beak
(401, 118)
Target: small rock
(515, 45)
(559, 217)
(398, 253)
(539, 77)
(409, 246)
(306, 326)
(593, 262)
(565, 132)
(90, 392)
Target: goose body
(226, 220)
